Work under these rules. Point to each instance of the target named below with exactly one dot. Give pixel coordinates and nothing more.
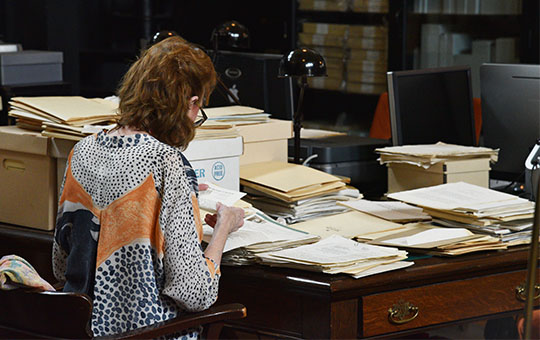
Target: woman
(128, 229)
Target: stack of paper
(427, 238)
(72, 111)
(474, 207)
(219, 117)
(294, 192)
(351, 224)
(337, 254)
(287, 182)
(388, 210)
(258, 234)
(426, 155)
(64, 117)
(305, 209)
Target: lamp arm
(225, 91)
(298, 116)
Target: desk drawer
(443, 302)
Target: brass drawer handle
(520, 292)
(402, 312)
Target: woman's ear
(193, 100)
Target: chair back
(37, 314)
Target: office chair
(53, 315)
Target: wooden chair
(58, 315)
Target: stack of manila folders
(292, 193)
(71, 117)
(427, 155)
(264, 240)
(75, 117)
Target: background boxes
(30, 67)
(265, 142)
(407, 176)
(216, 161)
(28, 190)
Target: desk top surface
(424, 271)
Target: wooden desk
(287, 303)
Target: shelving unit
(463, 32)
(352, 35)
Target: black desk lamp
(301, 63)
(231, 34)
(162, 35)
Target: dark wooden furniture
(55, 315)
(27, 314)
(286, 303)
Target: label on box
(224, 172)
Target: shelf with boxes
(441, 33)
(352, 36)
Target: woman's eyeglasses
(201, 118)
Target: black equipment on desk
(253, 78)
(432, 105)
(348, 156)
(510, 95)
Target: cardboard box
(28, 190)
(216, 160)
(30, 67)
(321, 39)
(32, 168)
(265, 142)
(407, 176)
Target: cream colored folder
(284, 177)
(71, 110)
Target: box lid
(13, 138)
(31, 57)
(200, 149)
(272, 130)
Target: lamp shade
(302, 62)
(231, 34)
(162, 35)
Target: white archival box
(216, 160)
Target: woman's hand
(231, 218)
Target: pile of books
(71, 117)
(294, 192)
(481, 210)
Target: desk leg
(330, 320)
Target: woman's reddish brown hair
(155, 91)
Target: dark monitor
(510, 95)
(253, 78)
(431, 105)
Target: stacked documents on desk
(259, 233)
(305, 209)
(72, 110)
(219, 117)
(389, 210)
(435, 240)
(70, 118)
(426, 155)
(336, 254)
(294, 192)
(476, 208)
(351, 224)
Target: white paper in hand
(209, 198)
